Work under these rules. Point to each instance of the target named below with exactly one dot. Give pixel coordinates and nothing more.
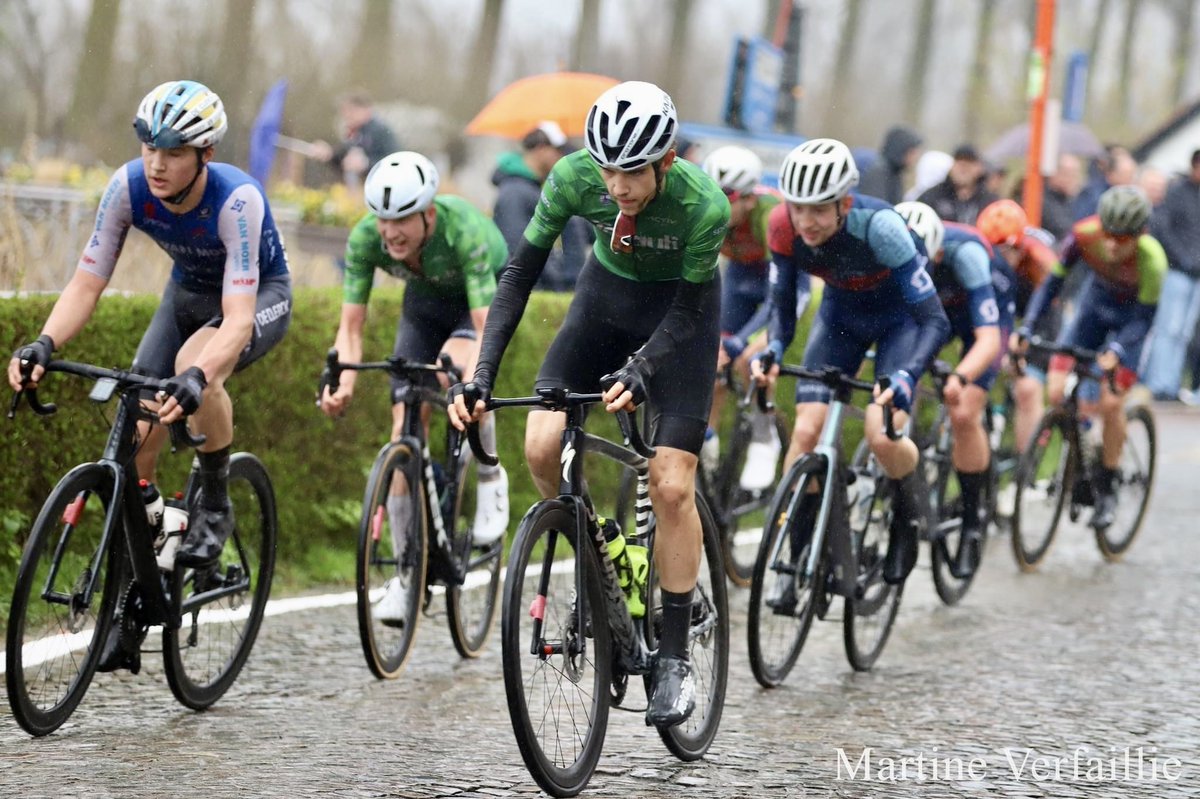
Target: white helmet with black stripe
(400, 184)
(631, 125)
(817, 172)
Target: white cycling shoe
(392, 610)
(491, 509)
(761, 460)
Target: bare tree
(1094, 47)
(1184, 12)
(586, 45)
(843, 79)
(977, 80)
(86, 120)
(483, 54)
(922, 43)
(673, 73)
(1125, 75)
(24, 42)
(371, 59)
(232, 69)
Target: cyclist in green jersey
(643, 325)
(449, 254)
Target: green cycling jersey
(460, 260)
(679, 234)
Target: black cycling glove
(634, 375)
(471, 393)
(36, 353)
(187, 388)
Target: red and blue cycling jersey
(871, 268)
(227, 244)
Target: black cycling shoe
(672, 692)
(1106, 509)
(970, 548)
(784, 600)
(208, 530)
(910, 506)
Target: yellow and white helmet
(181, 113)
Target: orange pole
(1037, 90)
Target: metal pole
(1037, 90)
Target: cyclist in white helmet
(448, 253)
(226, 304)
(877, 292)
(744, 306)
(644, 316)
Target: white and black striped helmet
(631, 125)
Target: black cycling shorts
(181, 313)
(608, 320)
(427, 322)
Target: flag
(264, 131)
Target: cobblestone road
(1081, 660)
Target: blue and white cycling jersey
(966, 284)
(227, 244)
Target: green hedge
(318, 466)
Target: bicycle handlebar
(124, 380)
(833, 378)
(1084, 359)
(395, 366)
(550, 399)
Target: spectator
(687, 149)
(366, 139)
(1177, 226)
(932, 168)
(1059, 195)
(963, 194)
(1116, 167)
(518, 178)
(885, 178)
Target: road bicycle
(570, 643)
(827, 534)
(436, 550)
(1058, 467)
(92, 560)
(737, 511)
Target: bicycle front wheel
(1044, 478)
(221, 606)
(63, 600)
(868, 618)
(391, 562)
(471, 607)
(555, 650)
(745, 515)
(1135, 477)
(782, 601)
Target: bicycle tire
(867, 620)
(785, 633)
(951, 589)
(386, 647)
(708, 645)
(552, 679)
(744, 512)
(40, 632)
(471, 607)
(1135, 478)
(203, 658)
(1044, 479)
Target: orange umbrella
(562, 97)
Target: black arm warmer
(512, 293)
(680, 322)
(935, 330)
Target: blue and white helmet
(631, 125)
(181, 113)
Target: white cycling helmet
(818, 171)
(631, 125)
(181, 113)
(735, 169)
(925, 222)
(400, 184)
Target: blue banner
(265, 129)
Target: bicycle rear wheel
(64, 599)
(946, 540)
(708, 645)
(867, 620)
(1044, 478)
(471, 607)
(776, 632)
(1135, 477)
(221, 606)
(391, 562)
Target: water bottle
(174, 527)
(154, 503)
(632, 565)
